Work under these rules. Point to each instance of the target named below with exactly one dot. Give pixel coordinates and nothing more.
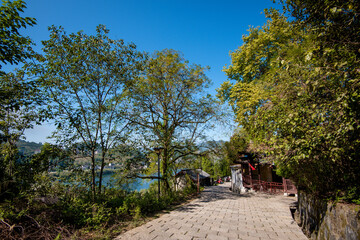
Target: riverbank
(71, 213)
(108, 180)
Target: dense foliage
(19, 98)
(169, 108)
(296, 94)
(14, 47)
(83, 78)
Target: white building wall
(236, 180)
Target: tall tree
(237, 145)
(18, 96)
(169, 108)
(333, 81)
(14, 48)
(19, 110)
(297, 98)
(84, 78)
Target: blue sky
(204, 31)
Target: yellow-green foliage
(297, 98)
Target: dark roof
(193, 173)
(236, 166)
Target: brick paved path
(220, 214)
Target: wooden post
(198, 183)
(284, 185)
(251, 183)
(260, 186)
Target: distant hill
(204, 146)
(28, 148)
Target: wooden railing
(271, 187)
(289, 187)
(247, 181)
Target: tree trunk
(93, 175)
(101, 169)
(164, 166)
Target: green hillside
(28, 148)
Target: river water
(137, 185)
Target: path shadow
(190, 207)
(223, 192)
(215, 193)
(220, 192)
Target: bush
(74, 211)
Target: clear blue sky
(205, 31)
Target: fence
(271, 187)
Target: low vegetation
(70, 213)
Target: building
(249, 173)
(204, 177)
(237, 184)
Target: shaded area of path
(220, 214)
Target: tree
(84, 77)
(51, 158)
(297, 99)
(19, 110)
(19, 98)
(169, 110)
(334, 81)
(14, 48)
(336, 22)
(214, 159)
(237, 145)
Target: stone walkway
(220, 214)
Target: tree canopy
(296, 93)
(19, 98)
(84, 76)
(169, 109)
(14, 48)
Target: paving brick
(220, 214)
(230, 235)
(180, 237)
(213, 236)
